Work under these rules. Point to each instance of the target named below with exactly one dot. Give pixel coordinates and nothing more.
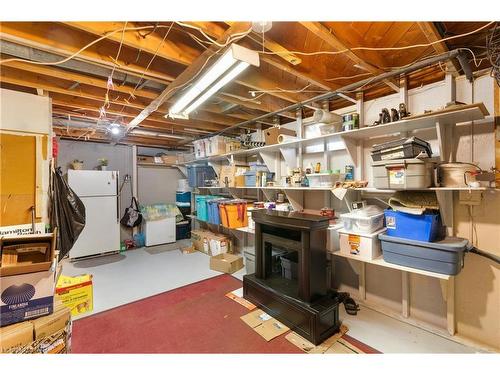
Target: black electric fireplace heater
(289, 282)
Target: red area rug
(196, 318)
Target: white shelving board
(446, 117)
(382, 263)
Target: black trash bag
(67, 213)
(132, 216)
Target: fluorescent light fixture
(198, 131)
(235, 60)
(155, 134)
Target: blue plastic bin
(183, 198)
(198, 175)
(426, 227)
(213, 210)
(251, 178)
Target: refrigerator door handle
(118, 208)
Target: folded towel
(414, 202)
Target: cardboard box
(232, 175)
(271, 134)
(171, 159)
(75, 293)
(227, 263)
(15, 335)
(27, 253)
(48, 334)
(50, 324)
(188, 249)
(264, 324)
(210, 243)
(232, 146)
(26, 296)
(150, 160)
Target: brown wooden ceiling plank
(325, 34)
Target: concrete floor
(136, 274)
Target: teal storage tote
(202, 206)
(425, 227)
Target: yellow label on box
(76, 293)
(354, 242)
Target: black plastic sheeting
(67, 213)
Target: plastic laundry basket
(201, 206)
(233, 214)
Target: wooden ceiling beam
(139, 43)
(431, 33)
(328, 37)
(38, 81)
(173, 51)
(42, 36)
(101, 137)
(215, 31)
(78, 104)
(66, 42)
(100, 83)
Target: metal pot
(456, 174)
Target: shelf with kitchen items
(325, 148)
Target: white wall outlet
(470, 198)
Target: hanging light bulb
(115, 129)
(261, 26)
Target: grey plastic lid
(448, 244)
(401, 161)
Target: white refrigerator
(98, 191)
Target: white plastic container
(199, 149)
(324, 179)
(251, 223)
(365, 220)
(364, 246)
(332, 237)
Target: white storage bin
(364, 246)
(215, 146)
(365, 220)
(332, 237)
(199, 149)
(324, 179)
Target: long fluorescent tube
(234, 60)
(154, 134)
(217, 86)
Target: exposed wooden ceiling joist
(324, 33)
(254, 80)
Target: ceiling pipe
(353, 86)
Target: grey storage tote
(446, 256)
(402, 174)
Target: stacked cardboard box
(210, 243)
(27, 275)
(48, 334)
